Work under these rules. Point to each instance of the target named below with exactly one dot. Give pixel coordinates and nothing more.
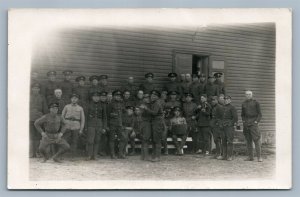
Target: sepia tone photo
(150, 99)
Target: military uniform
(128, 124)
(173, 103)
(229, 118)
(219, 83)
(128, 102)
(93, 88)
(38, 107)
(211, 90)
(132, 88)
(67, 85)
(83, 93)
(172, 85)
(251, 116)
(51, 123)
(96, 126)
(61, 103)
(50, 86)
(115, 112)
(137, 102)
(146, 86)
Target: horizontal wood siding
(248, 52)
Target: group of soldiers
(61, 112)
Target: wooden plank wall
(248, 52)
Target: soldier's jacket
(202, 114)
(62, 102)
(189, 110)
(155, 110)
(172, 104)
(211, 90)
(93, 89)
(104, 88)
(138, 102)
(147, 87)
(221, 87)
(197, 89)
(115, 111)
(173, 86)
(97, 115)
(146, 116)
(50, 123)
(229, 115)
(128, 102)
(185, 87)
(127, 121)
(131, 88)
(66, 87)
(162, 103)
(251, 111)
(38, 106)
(217, 112)
(178, 125)
(49, 88)
(137, 124)
(83, 92)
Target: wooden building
(245, 53)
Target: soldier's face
(52, 77)
(130, 80)
(149, 79)
(81, 83)
(221, 99)
(126, 95)
(214, 101)
(68, 77)
(177, 113)
(129, 112)
(188, 99)
(109, 96)
(203, 99)
(202, 79)
(137, 111)
(146, 99)
(248, 95)
(96, 98)
(188, 78)
(154, 97)
(58, 93)
(173, 97)
(95, 82)
(117, 97)
(74, 100)
(103, 98)
(173, 78)
(163, 95)
(103, 81)
(227, 101)
(35, 90)
(182, 77)
(195, 78)
(140, 94)
(54, 110)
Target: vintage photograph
(149, 99)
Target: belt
(52, 134)
(73, 119)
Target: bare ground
(171, 167)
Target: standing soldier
(51, 85)
(67, 85)
(82, 91)
(128, 124)
(96, 125)
(195, 88)
(163, 98)
(48, 126)
(219, 83)
(148, 85)
(115, 112)
(186, 86)
(173, 102)
(103, 85)
(157, 122)
(74, 119)
(189, 108)
(251, 116)
(131, 87)
(38, 107)
(58, 98)
(172, 85)
(229, 120)
(94, 84)
(211, 88)
(203, 118)
(127, 99)
(215, 123)
(104, 148)
(139, 98)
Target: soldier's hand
(44, 134)
(193, 117)
(103, 131)
(60, 135)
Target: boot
(165, 145)
(95, 153)
(90, 150)
(56, 156)
(258, 151)
(157, 153)
(112, 150)
(229, 152)
(225, 151)
(250, 153)
(132, 149)
(146, 152)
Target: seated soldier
(49, 127)
(178, 129)
(127, 122)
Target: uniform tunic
(83, 92)
(50, 86)
(104, 88)
(173, 86)
(128, 102)
(93, 89)
(172, 104)
(147, 87)
(38, 106)
(61, 103)
(188, 112)
(74, 116)
(211, 90)
(221, 87)
(132, 88)
(67, 87)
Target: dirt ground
(171, 167)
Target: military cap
(74, 95)
(195, 75)
(103, 77)
(172, 75)
(214, 98)
(204, 95)
(93, 77)
(202, 75)
(155, 92)
(177, 109)
(103, 93)
(36, 85)
(189, 94)
(52, 72)
(218, 75)
(51, 105)
(67, 72)
(227, 97)
(173, 93)
(149, 75)
(211, 76)
(129, 107)
(80, 78)
(96, 93)
(117, 92)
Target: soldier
(104, 147)
(127, 99)
(96, 124)
(128, 124)
(74, 119)
(67, 85)
(131, 87)
(229, 120)
(157, 122)
(198, 88)
(219, 83)
(58, 98)
(251, 116)
(35, 79)
(109, 97)
(163, 98)
(215, 123)
(189, 108)
(172, 85)
(137, 130)
(139, 98)
(94, 84)
(38, 107)
(178, 128)
(211, 88)
(203, 118)
(173, 102)
(186, 86)
(103, 85)
(115, 112)
(82, 91)
(51, 85)
(48, 126)
(148, 86)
